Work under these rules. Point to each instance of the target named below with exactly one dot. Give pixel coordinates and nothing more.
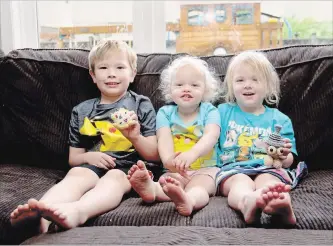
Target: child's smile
(186, 97)
(112, 84)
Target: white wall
(81, 13)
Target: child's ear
(91, 72)
(133, 75)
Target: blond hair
(211, 82)
(105, 46)
(267, 74)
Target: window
(196, 15)
(194, 27)
(226, 27)
(242, 14)
(83, 23)
(80, 24)
(220, 13)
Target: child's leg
(142, 183)
(197, 190)
(194, 197)
(174, 189)
(105, 196)
(240, 190)
(276, 196)
(77, 181)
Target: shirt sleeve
(74, 133)
(162, 118)
(287, 131)
(212, 115)
(147, 118)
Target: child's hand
(100, 160)
(170, 164)
(286, 149)
(132, 132)
(183, 161)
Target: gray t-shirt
(91, 127)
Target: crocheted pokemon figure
(121, 118)
(274, 149)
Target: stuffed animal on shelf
(274, 148)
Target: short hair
(104, 46)
(259, 62)
(211, 82)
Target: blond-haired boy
(100, 153)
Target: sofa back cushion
(39, 88)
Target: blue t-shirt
(186, 135)
(242, 134)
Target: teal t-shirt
(242, 134)
(186, 135)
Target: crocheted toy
(274, 149)
(121, 118)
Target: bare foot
(251, 206)
(278, 202)
(24, 213)
(173, 189)
(39, 206)
(65, 215)
(141, 182)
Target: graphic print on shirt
(185, 138)
(243, 143)
(111, 138)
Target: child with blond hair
(252, 184)
(187, 133)
(107, 135)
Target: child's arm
(78, 156)
(287, 158)
(166, 148)
(287, 132)
(146, 146)
(201, 148)
(207, 141)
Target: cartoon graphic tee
(186, 135)
(92, 128)
(242, 135)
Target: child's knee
(116, 174)
(267, 178)
(204, 181)
(236, 180)
(117, 178)
(81, 173)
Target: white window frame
(6, 35)
(19, 26)
(149, 27)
